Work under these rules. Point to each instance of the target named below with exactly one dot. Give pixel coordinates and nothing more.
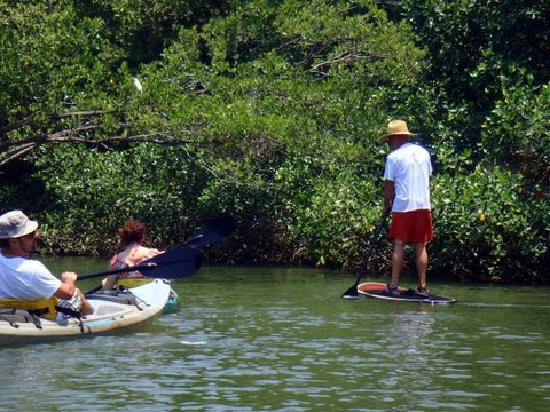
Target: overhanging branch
(55, 116)
(12, 150)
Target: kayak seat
(16, 316)
(125, 297)
(44, 307)
(105, 309)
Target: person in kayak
(22, 278)
(407, 195)
(132, 237)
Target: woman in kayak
(132, 236)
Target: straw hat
(396, 128)
(16, 224)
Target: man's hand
(69, 277)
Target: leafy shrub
(487, 230)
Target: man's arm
(67, 287)
(389, 193)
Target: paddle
(352, 293)
(178, 262)
(212, 231)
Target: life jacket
(131, 282)
(44, 307)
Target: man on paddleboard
(26, 279)
(407, 195)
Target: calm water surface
(257, 339)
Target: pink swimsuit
(133, 255)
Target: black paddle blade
(213, 231)
(179, 262)
(351, 293)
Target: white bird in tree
(137, 84)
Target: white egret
(137, 84)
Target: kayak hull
(379, 291)
(108, 317)
(173, 303)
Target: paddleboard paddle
(352, 292)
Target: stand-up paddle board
(380, 291)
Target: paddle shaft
(141, 268)
(373, 241)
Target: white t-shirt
(25, 279)
(409, 168)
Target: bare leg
(421, 263)
(109, 282)
(85, 307)
(396, 262)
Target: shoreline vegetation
(270, 111)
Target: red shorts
(412, 227)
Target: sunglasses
(32, 235)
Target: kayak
(173, 303)
(113, 311)
(380, 291)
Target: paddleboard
(379, 291)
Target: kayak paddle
(352, 293)
(181, 261)
(212, 231)
(178, 262)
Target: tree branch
(16, 152)
(12, 150)
(16, 148)
(347, 57)
(54, 116)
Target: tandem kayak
(172, 304)
(113, 311)
(380, 291)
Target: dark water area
(272, 339)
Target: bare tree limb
(54, 116)
(16, 152)
(87, 113)
(85, 133)
(347, 57)
(12, 150)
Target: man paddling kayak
(407, 194)
(26, 279)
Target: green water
(257, 339)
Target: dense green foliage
(270, 111)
